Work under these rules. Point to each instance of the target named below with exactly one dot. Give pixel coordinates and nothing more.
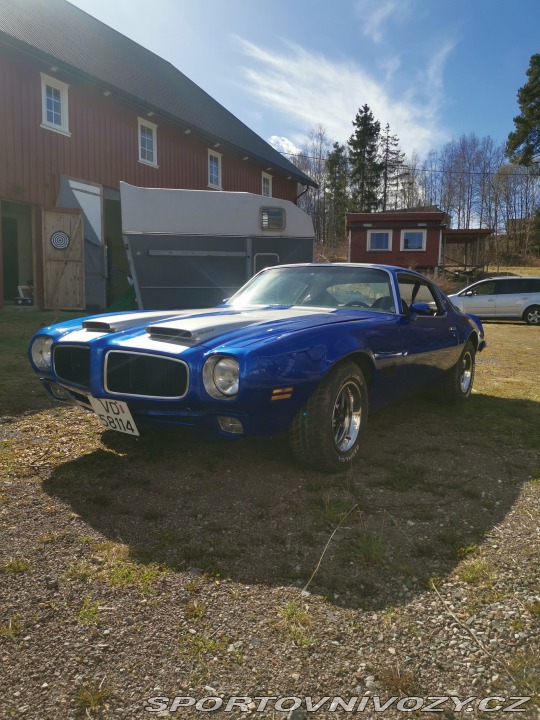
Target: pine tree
(337, 195)
(366, 167)
(524, 143)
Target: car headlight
(221, 376)
(41, 352)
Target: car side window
(414, 290)
(483, 288)
(510, 287)
(531, 285)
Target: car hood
(201, 330)
(176, 332)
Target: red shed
(406, 238)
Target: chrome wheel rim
(466, 372)
(347, 416)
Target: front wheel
(532, 315)
(326, 434)
(457, 384)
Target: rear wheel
(457, 384)
(532, 315)
(326, 434)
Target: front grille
(129, 373)
(72, 364)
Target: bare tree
(518, 194)
(312, 160)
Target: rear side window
(532, 285)
(510, 287)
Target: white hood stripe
(191, 331)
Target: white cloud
(284, 145)
(310, 89)
(374, 15)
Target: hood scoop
(193, 331)
(169, 333)
(98, 326)
(120, 322)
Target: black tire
(457, 384)
(327, 433)
(532, 315)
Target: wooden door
(63, 259)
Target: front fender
(479, 329)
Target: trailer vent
(272, 218)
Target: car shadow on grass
(430, 485)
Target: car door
(430, 342)
(480, 299)
(511, 297)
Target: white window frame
(268, 178)
(217, 156)
(413, 230)
(143, 123)
(62, 87)
(377, 231)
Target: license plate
(114, 415)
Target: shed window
(54, 105)
(413, 239)
(379, 240)
(214, 170)
(147, 142)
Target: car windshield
(319, 286)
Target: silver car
(502, 297)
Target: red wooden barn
(82, 108)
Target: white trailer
(193, 248)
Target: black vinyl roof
(62, 34)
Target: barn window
(413, 239)
(266, 185)
(379, 240)
(54, 105)
(214, 170)
(147, 142)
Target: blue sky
(432, 69)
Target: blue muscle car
(303, 348)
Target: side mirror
(469, 293)
(420, 308)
